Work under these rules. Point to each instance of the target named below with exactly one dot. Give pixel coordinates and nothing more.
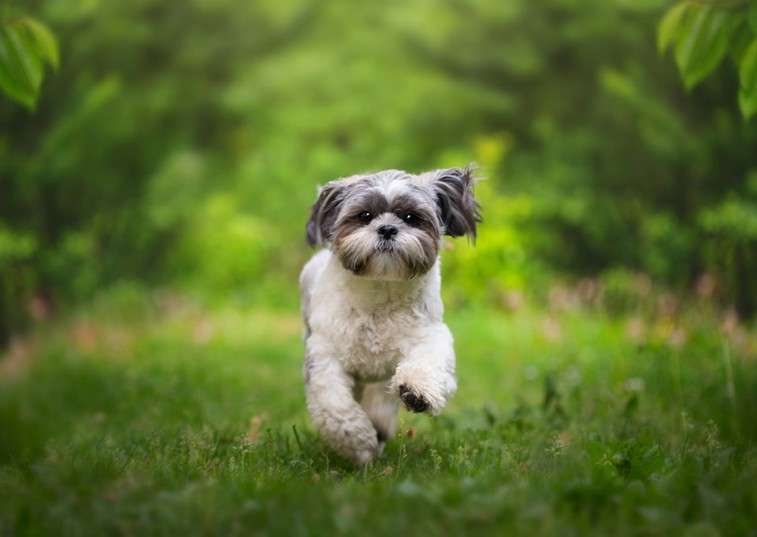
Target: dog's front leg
(335, 412)
(425, 378)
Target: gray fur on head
(351, 213)
(323, 213)
(452, 188)
(458, 209)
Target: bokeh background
(153, 203)
(180, 144)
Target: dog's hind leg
(381, 405)
(336, 414)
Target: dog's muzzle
(388, 231)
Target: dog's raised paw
(413, 402)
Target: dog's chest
(374, 343)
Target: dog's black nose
(388, 231)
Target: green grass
(163, 418)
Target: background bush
(181, 143)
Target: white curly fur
(374, 330)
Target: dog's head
(389, 225)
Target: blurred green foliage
(703, 33)
(183, 142)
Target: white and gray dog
(371, 302)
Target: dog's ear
(324, 212)
(458, 208)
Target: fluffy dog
(374, 333)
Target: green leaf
(670, 25)
(741, 37)
(43, 39)
(748, 81)
(20, 65)
(748, 66)
(702, 43)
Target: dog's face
(389, 225)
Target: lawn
(151, 414)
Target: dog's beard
(365, 253)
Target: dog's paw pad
(413, 402)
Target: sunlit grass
(161, 417)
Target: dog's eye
(365, 217)
(411, 219)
